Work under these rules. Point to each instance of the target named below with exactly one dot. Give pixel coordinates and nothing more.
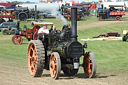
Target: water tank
(42, 7)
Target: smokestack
(18, 25)
(35, 12)
(74, 23)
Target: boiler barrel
(42, 7)
(18, 25)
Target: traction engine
(28, 33)
(60, 51)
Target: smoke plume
(58, 16)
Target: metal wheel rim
(32, 59)
(17, 40)
(89, 65)
(23, 17)
(55, 65)
(5, 31)
(98, 18)
(117, 18)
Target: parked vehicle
(30, 34)
(111, 13)
(67, 13)
(14, 12)
(8, 24)
(8, 28)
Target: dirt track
(16, 73)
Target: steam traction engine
(111, 13)
(67, 13)
(60, 51)
(30, 34)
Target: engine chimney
(18, 25)
(35, 12)
(74, 23)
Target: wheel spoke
(54, 60)
(31, 63)
(54, 72)
(53, 65)
(32, 68)
(31, 48)
(15, 39)
(89, 67)
(34, 55)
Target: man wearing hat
(44, 30)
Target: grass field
(111, 56)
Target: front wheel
(99, 18)
(118, 18)
(89, 65)
(17, 39)
(55, 65)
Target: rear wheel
(22, 16)
(99, 18)
(36, 58)
(55, 65)
(13, 30)
(118, 18)
(89, 65)
(17, 40)
(4, 31)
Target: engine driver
(44, 30)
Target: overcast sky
(38, 0)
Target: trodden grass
(109, 54)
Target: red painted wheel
(89, 65)
(17, 40)
(99, 19)
(35, 36)
(55, 65)
(118, 18)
